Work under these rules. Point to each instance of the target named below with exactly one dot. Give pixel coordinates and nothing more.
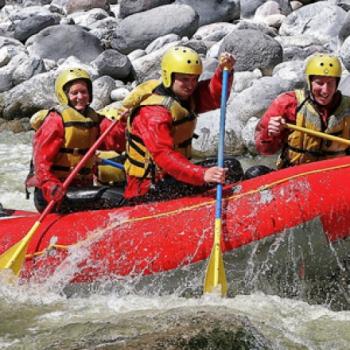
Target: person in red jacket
(67, 133)
(319, 107)
(160, 129)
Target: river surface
(42, 317)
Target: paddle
(14, 257)
(111, 163)
(215, 278)
(322, 135)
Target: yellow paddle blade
(14, 257)
(215, 278)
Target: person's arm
(47, 142)
(153, 124)
(115, 140)
(270, 134)
(208, 92)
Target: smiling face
(323, 89)
(184, 85)
(78, 95)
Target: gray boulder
(27, 98)
(86, 5)
(253, 101)
(62, 41)
(253, 50)
(344, 4)
(113, 63)
(214, 31)
(34, 24)
(321, 20)
(128, 7)
(248, 7)
(103, 88)
(211, 11)
(139, 30)
(344, 53)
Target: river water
(42, 317)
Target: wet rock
(16, 126)
(202, 328)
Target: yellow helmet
(68, 76)
(180, 59)
(324, 65)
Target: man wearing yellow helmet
(66, 134)
(161, 128)
(319, 107)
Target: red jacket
(49, 139)
(154, 123)
(285, 105)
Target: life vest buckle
(76, 151)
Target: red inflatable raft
(279, 230)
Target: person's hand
(227, 60)
(276, 125)
(52, 190)
(215, 175)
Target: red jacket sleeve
(285, 106)
(153, 124)
(47, 142)
(115, 139)
(208, 93)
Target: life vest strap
(315, 153)
(86, 125)
(83, 171)
(77, 151)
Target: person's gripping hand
(52, 190)
(275, 126)
(227, 61)
(215, 174)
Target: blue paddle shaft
(110, 162)
(221, 139)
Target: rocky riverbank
(121, 43)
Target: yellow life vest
(81, 132)
(139, 161)
(304, 148)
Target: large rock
(248, 7)
(62, 41)
(253, 50)
(321, 20)
(128, 7)
(139, 30)
(254, 101)
(211, 11)
(21, 68)
(113, 63)
(27, 98)
(86, 5)
(34, 24)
